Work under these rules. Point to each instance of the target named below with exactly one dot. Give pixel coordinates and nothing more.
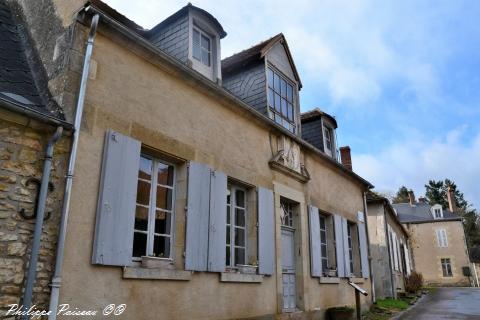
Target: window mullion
(153, 209)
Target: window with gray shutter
(266, 231)
(340, 252)
(362, 235)
(198, 208)
(114, 227)
(315, 253)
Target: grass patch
(392, 304)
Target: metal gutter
(57, 276)
(218, 90)
(32, 113)
(42, 200)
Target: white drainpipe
(57, 276)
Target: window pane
(228, 214)
(322, 222)
(196, 45)
(324, 250)
(227, 258)
(271, 99)
(161, 247)
(323, 236)
(143, 193)
(205, 57)
(164, 198)
(324, 264)
(205, 43)
(141, 218)
(165, 174)
(240, 217)
(289, 93)
(284, 108)
(276, 80)
(163, 222)
(145, 170)
(240, 197)
(290, 112)
(239, 237)
(284, 88)
(278, 119)
(228, 234)
(239, 256)
(139, 244)
(270, 77)
(277, 102)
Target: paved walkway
(446, 303)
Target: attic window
(202, 47)
(280, 100)
(437, 212)
(328, 140)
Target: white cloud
(415, 161)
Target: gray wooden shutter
(407, 259)
(113, 242)
(266, 231)
(218, 222)
(315, 250)
(337, 220)
(198, 207)
(362, 236)
(348, 272)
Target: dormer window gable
(437, 211)
(265, 77)
(191, 35)
(319, 129)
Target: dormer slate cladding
(173, 38)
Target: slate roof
(420, 212)
(243, 58)
(17, 80)
(315, 114)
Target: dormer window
(328, 140)
(437, 211)
(202, 47)
(280, 100)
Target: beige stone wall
(427, 254)
(22, 147)
(140, 99)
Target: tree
(435, 193)
(401, 196)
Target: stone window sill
(331, 280)
(156, 274)
(240, 277)
(356, 280)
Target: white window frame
(437, 209)
(152, 208)
(350, 247)
(323, 243)
(233, 206)
(332, 145)
(274, 114)
(209, 51)
(447, 270)
(442, 238)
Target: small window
(280, 100)
(438, 213)
(446, 267)
(154, 209)
(287, 217)
(328, 140)
(236, 226)
(202, 47)
(323, 242)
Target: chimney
(346, 157)
(451, 199)
(411, 197)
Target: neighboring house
(389, 248)
(437, 241)
(475, 259)
(196, 196)
(29, 119)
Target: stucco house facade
(437, 241)
(389, 247)
(200, 190)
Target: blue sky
(401, 77)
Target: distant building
(389, 247)
(437, 240)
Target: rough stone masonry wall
(22, 149)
